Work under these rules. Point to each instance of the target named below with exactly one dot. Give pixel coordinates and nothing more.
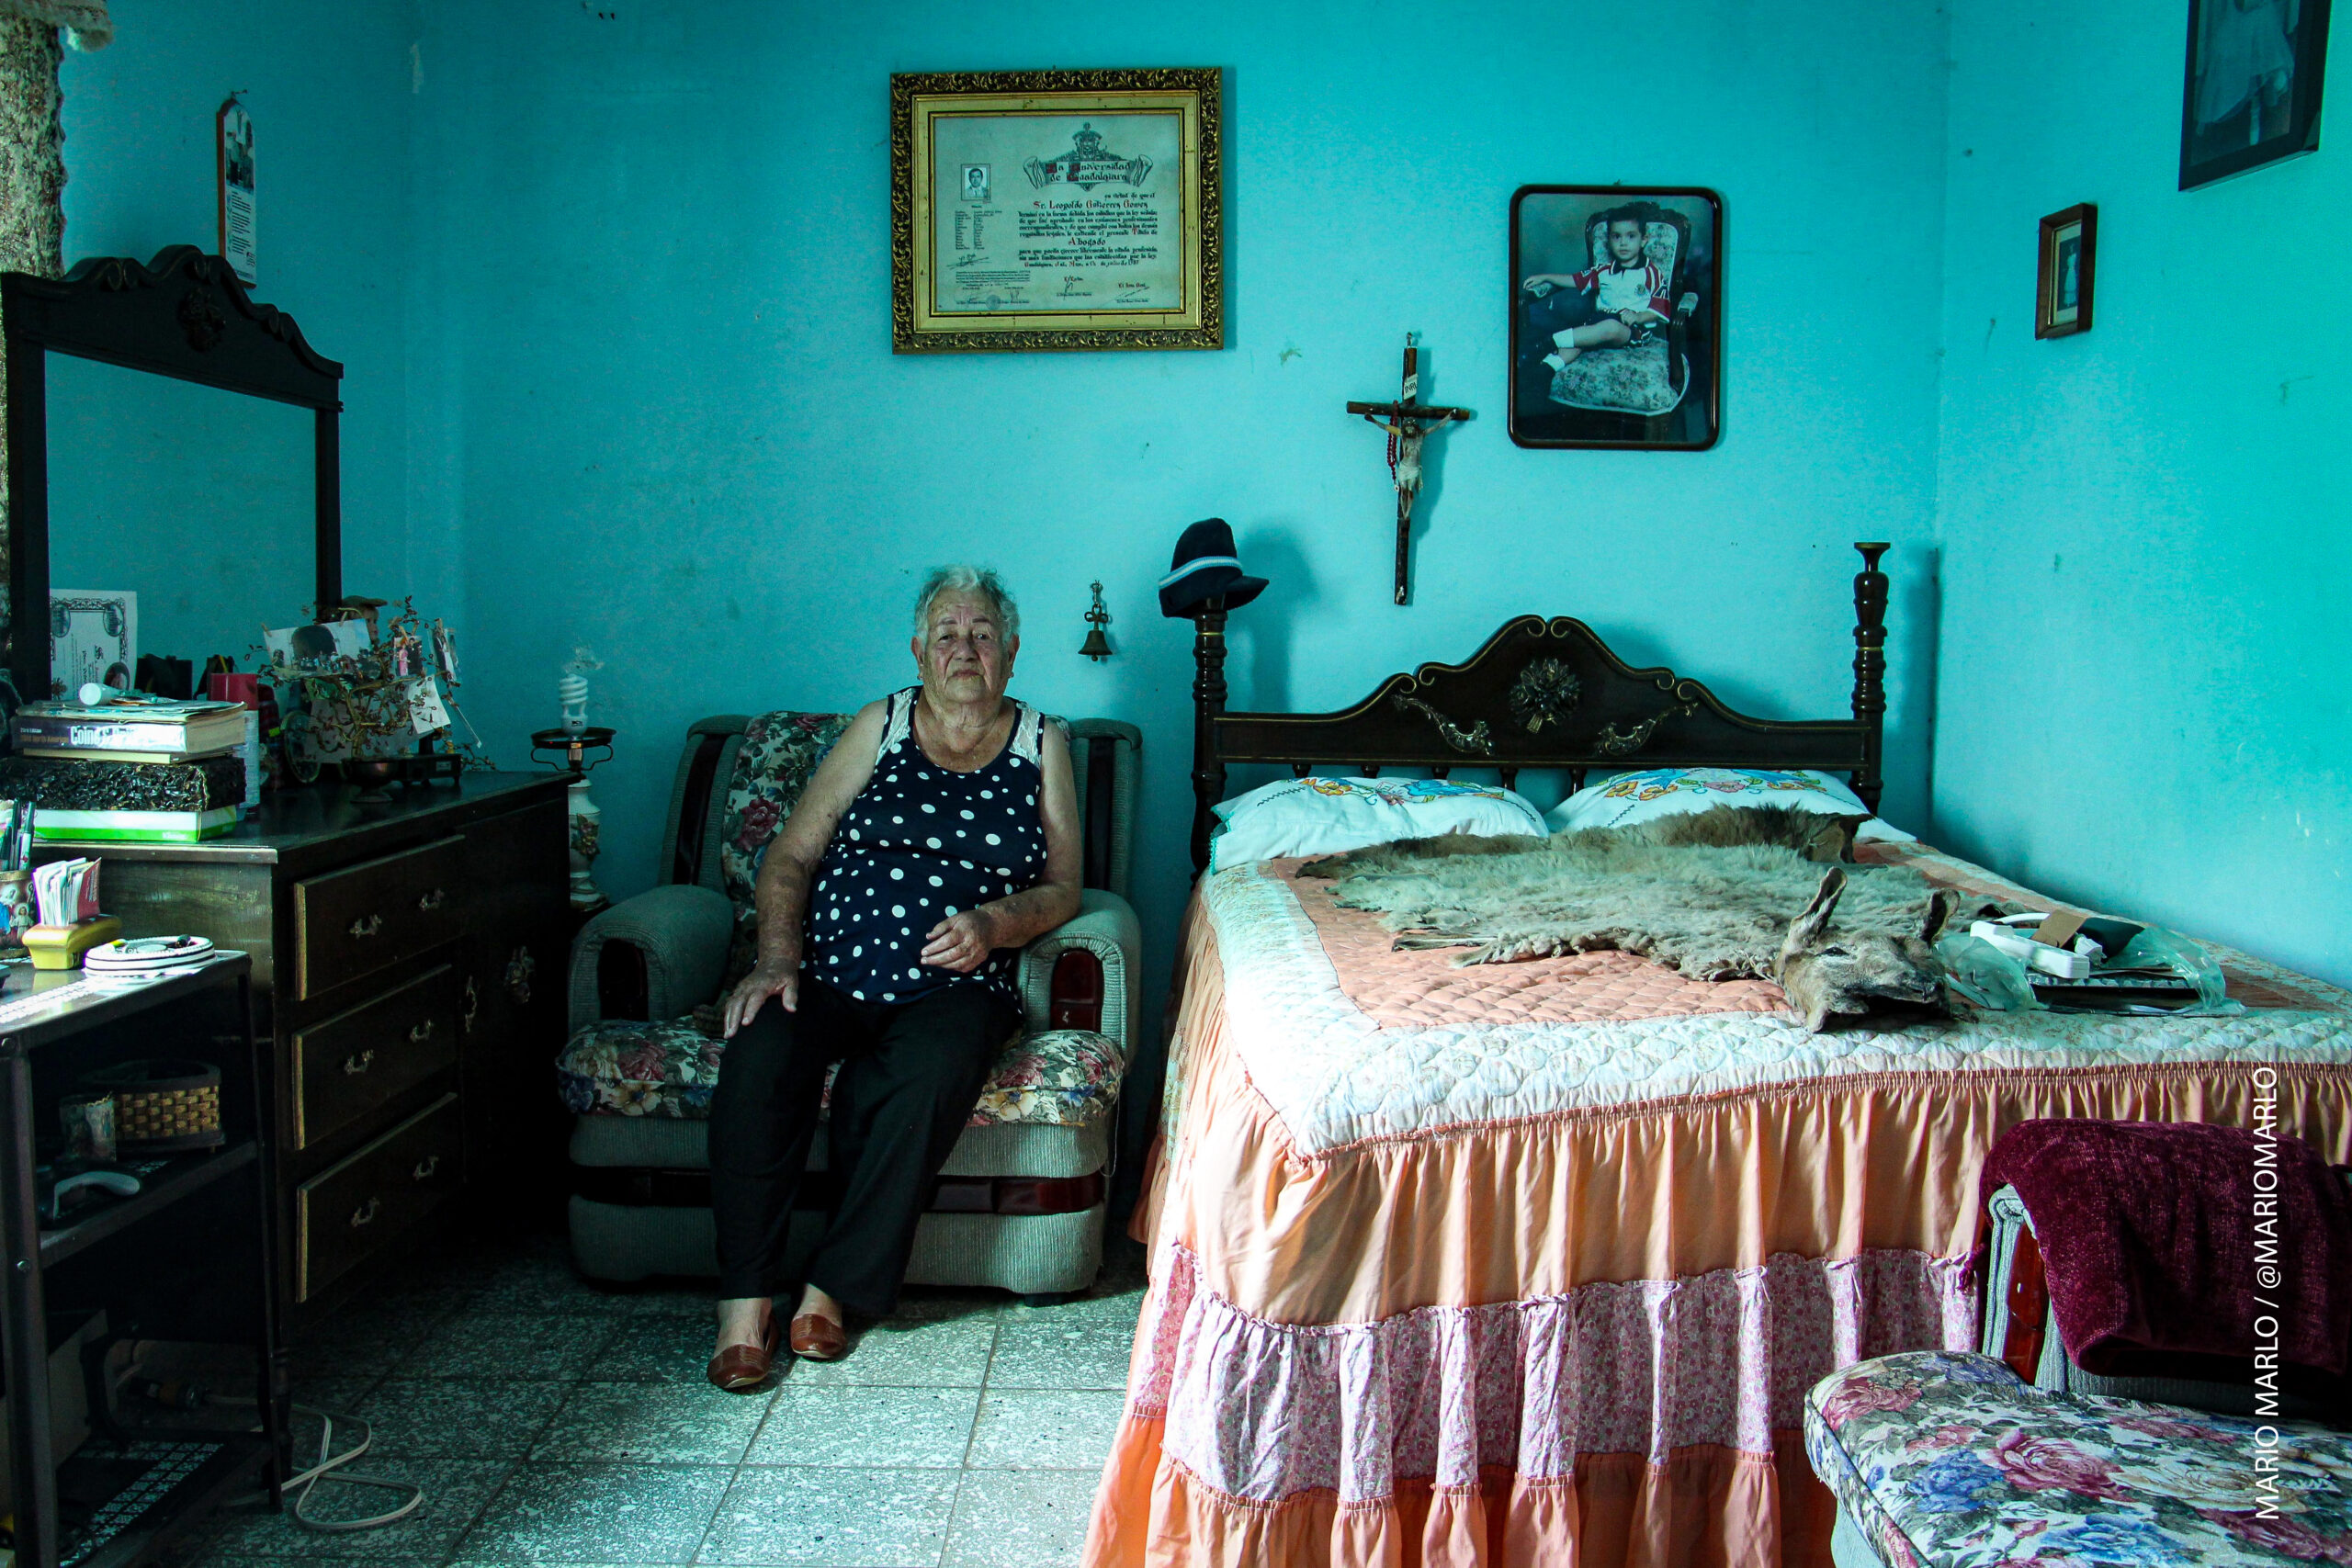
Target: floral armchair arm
(680, 932)
(1105, 929)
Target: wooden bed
(1540, 694)
(1535, 1262)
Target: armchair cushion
(780, 751)
(1067, 1077)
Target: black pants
(911, 1074)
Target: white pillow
(1681, 792)
(1324, 817)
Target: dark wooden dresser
(407, 969)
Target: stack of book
(151, 770)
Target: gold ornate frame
(916, 98)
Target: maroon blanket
(2149, 1232)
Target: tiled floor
(551, 1421)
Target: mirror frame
(184, 314)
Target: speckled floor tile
(551, 1285)
(1045, 1429)
(653, 1423)
(657, 1347)
(952, 1353)
(461, 1417)
(1021, 1518)
(936, 1303)
(598, 1512)
(366, 1344)
(455, 1491)
(1064, 1353)
(1109, 1306)
(871, 1518)
(511, 1345)
(868, 1427)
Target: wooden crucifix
(1408, 424)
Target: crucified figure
(1408, 424)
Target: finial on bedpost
(1208, 701)
(1870, 668)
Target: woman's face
(963, 654)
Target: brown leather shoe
(740, 1368)
(818, 1339)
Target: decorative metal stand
(575, 745)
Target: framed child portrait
(2063, 292)
(2252, 95)
(1616, 316)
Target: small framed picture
(2252, 95)
(2069, 241)
(1616, 316)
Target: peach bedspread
(1532, 1263)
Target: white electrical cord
(301, 1487)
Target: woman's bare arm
(963, 942)
(781, 894)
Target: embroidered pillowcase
(1324, 817)
(1677, 792)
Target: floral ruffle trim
(1261, 1411)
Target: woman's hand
(961, 942)
(769, 977)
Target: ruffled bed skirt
(1652, 1424)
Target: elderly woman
(938, 836)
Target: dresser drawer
(356, 1061)
(348, 1211)
(353, 922)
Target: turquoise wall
(671, 428)
(2140, 701)
(329, 90)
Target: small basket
(163, 1106)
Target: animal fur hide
(1716, 910)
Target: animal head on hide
(1826, 971)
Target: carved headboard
(1540, 694)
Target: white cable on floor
(329, 1467)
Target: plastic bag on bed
(1993, 979)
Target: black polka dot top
(917, 844)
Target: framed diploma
(1055, 210)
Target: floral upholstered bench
(1945, 1460)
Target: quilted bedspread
(1535, 1262)
(1348, 1041)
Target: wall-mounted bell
(1097, 646)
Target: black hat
(1205, 568)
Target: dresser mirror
(171, 439)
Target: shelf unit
(131, 1497)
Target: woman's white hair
(981, 580)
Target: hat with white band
(1207, 568)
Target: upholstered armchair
(1020, 1204)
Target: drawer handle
(431, 901)
(366, 1213)
(419, 1033)
(473, 1005)
(355, 1065)
(426, 1167)
(367, 927)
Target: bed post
(1208, 701)
(1870, 669)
